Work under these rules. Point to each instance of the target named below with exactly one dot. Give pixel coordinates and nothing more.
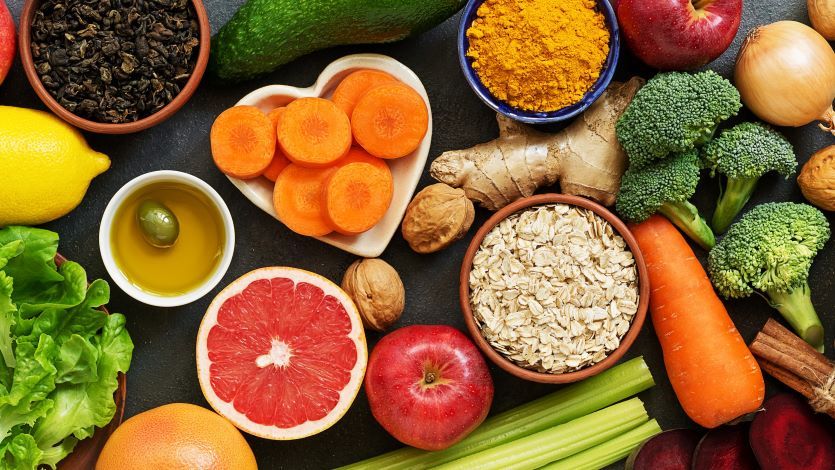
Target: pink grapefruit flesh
(281, 353)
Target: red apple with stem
(7, 40)
(679, 34)
(428, 386)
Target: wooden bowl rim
(105, 128)
(643, 286)
(87, 451)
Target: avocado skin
(265, 34)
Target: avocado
(265, 34)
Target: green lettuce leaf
(34, 270)
(79, 408)
(84, 319)
(20, 453)
(34, 374)
(7, 315)
(24, 413)
(77, 361)
(55, 454)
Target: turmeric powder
(538, 55)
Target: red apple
(7, 40)
(679, 34)
(428, 386)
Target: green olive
(158, 224)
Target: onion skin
(785, 73)
(822, 15)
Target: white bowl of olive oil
(200, 251)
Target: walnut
(436, 217)
(377, 291)
(817, 179)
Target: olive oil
(177, 269)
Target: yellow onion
(785, 72)
(822, 15)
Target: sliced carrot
(358, 155)
(279, 161)
(314, 133)
(390, 121)
(298, 200)
(357, 196)
(243, 142)
(354, 86)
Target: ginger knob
(817, 179)
(377, 291)
(436, 217)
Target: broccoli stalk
(686, 217)
(732, 199)
(673, 113)
(744, 153)
(665, 186)
(770, 250)
(796, 307)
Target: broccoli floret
(770, 250)
(675, 112)
(665, 186)
(743, 154)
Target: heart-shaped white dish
(406, 171)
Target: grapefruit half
(281, 353)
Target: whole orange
(176, 436)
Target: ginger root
(585, 158)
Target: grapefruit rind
(346, 396)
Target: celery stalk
(611, 386)
(559, 442)
(609, 452)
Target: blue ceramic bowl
(532, 117)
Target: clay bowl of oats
(554, 288)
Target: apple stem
(701, 4)
(429, 378)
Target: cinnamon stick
(795, 363)
(775, 330)
(787, 378)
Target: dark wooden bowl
(166, 112)
(87, 451)
(637, 321)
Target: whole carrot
(714, 375)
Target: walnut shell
(436, 217)
(817, 179)
(377, 291)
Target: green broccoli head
(674, 112)
(644, 190)
(743, 154)
(770, 249)
(750, 150)
(665, 186)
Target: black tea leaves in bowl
(114, 61)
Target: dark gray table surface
(163, 369)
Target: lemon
(45, 167)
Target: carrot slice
(390, 121)
(314, 133)
(358, 155)
(357, 196)
(354, 86)
(298, 200)
(279, 161)
(243, 142)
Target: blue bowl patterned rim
(533, 117)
